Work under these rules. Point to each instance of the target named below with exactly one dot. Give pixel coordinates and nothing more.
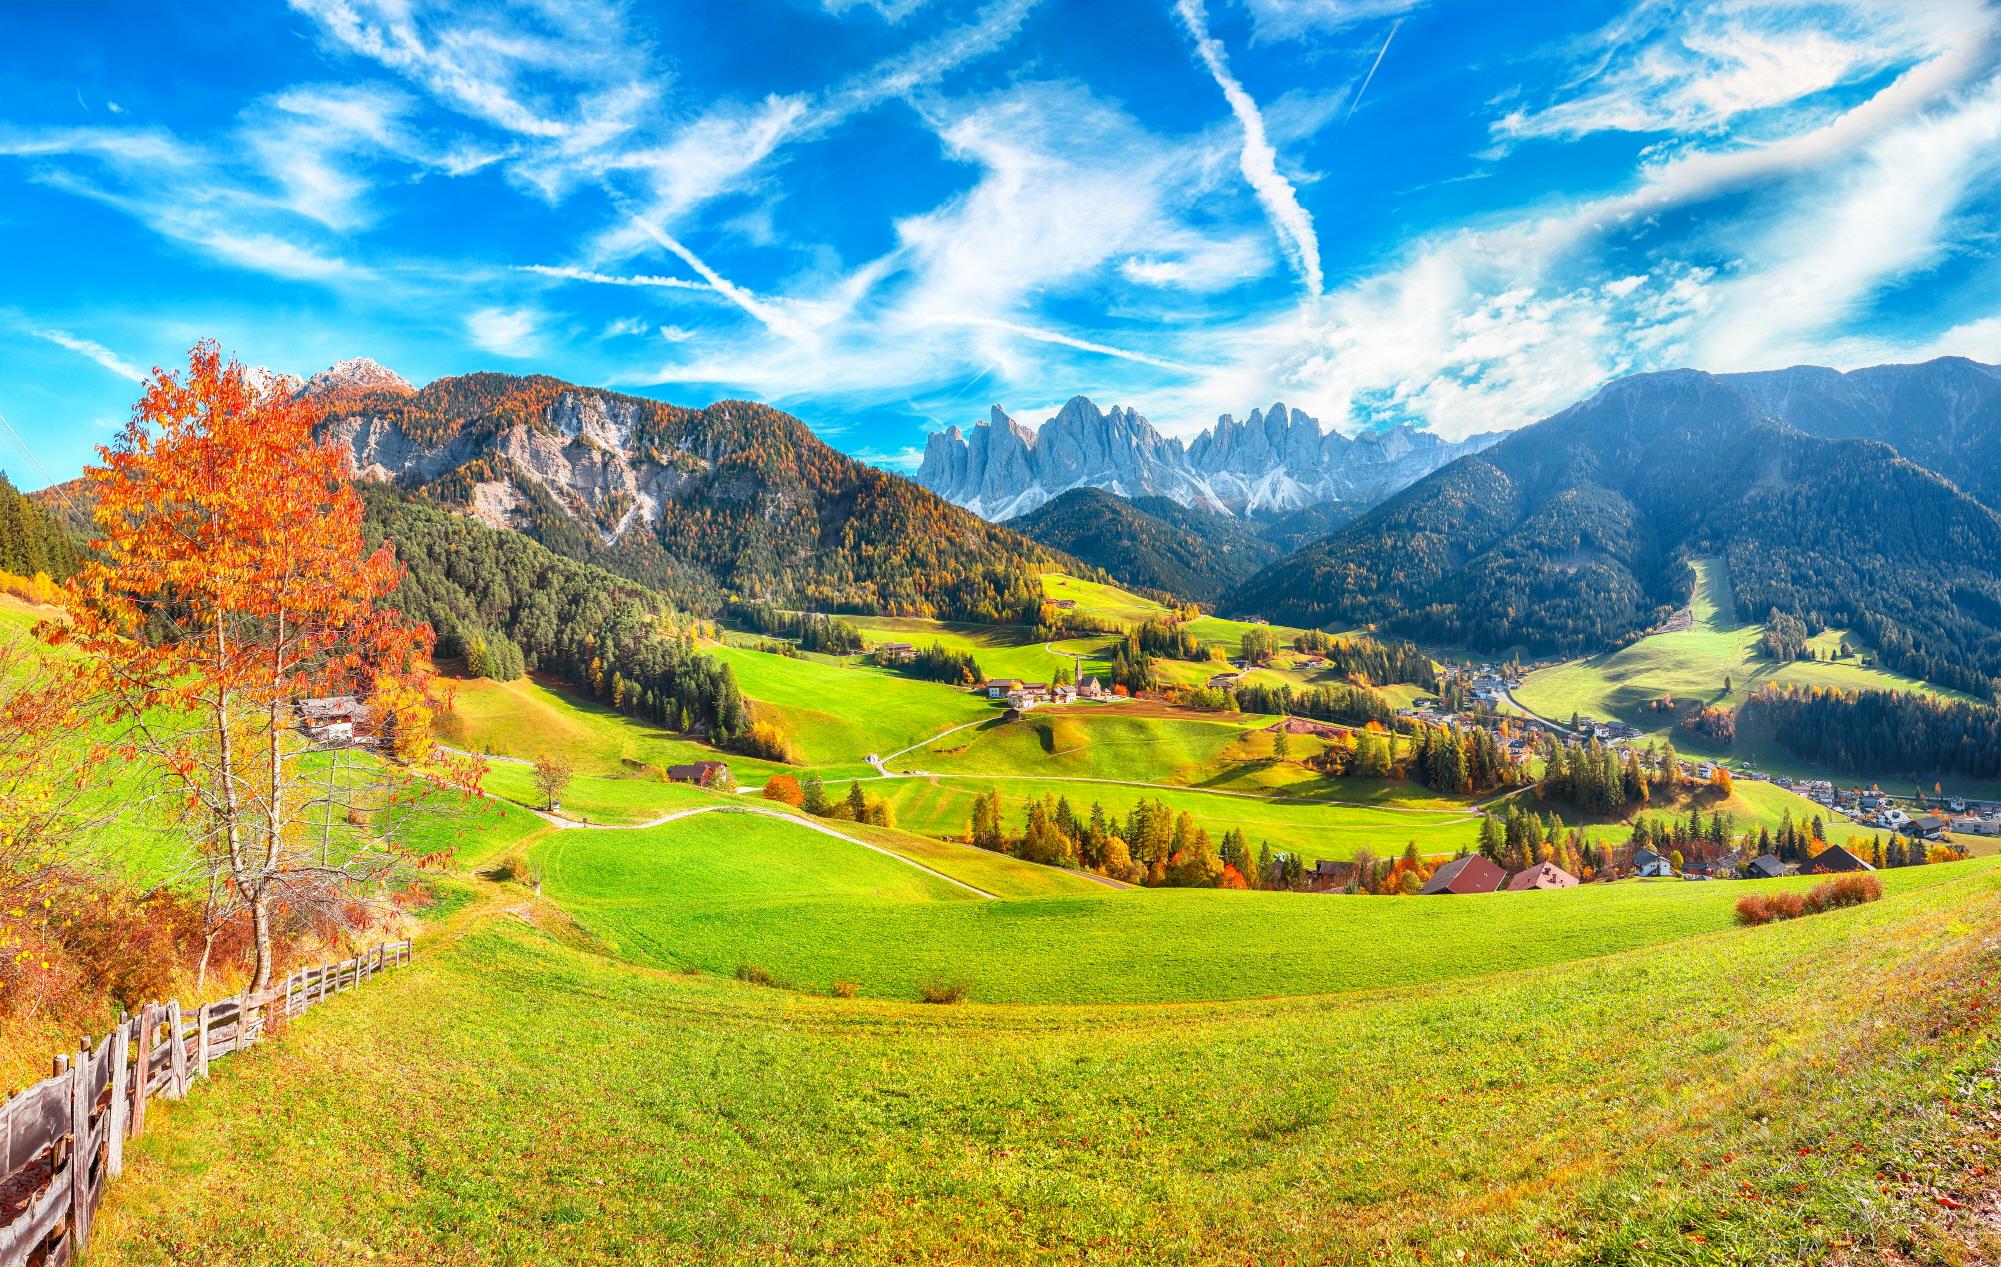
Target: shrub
(784, 789)
(1754, 910)
(939, 990)
(755, 973)
(1847, 890)
(1787, 905)
(843, 990)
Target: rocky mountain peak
(357, 374)
(1276, 459)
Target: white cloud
(647, 280)
(1299, 19)
(90, 349)
(1700, 69)
(1258, 159)
(512, 332)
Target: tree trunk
(260, 923)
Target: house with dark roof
(700, 773)
(1929, 827)
(1002, 687)
(1833, 860)
(1471, 874)
(332, 718)
(1764, 867)
(1543, 875)
(1649, 865)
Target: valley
(1031, 914)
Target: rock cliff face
(1277, 459)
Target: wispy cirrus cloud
(89, 349)
(1259, 161)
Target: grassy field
(1778, 1095)
(1107, 602)
(837, 716)
(719, 891)
(942, 807)
(528, 719)
(1691, 665)
(1002, 650)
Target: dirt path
(568, 824)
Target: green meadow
(943, 806)
(836, 715)
(1093, 598)
(1611, 1075)
(1691, 665)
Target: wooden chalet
(1764, 867)
(1474, 873)
(1543, 875)
(700, 773)
(1833, 860)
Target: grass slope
(1779, 1095)
(838, 715)
(1690, 665)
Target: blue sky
(885, 215)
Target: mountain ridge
(1574, 533)
(1275, 460)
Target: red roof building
(1471, 874)
(1543, 875)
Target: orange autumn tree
(230, 581)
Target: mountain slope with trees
(736, 501)
(31, 539)
(1151, 543)
(1574, 534)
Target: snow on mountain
(1277, 459)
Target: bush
(755, 973)
(1848, 890)
(843, 990)
(784, 789)
(939, 990)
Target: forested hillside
(1151, 543)
(31, 539)
(1573, 535)
(733, 501)
(507, 604)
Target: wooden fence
(63, 1139)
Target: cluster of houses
(1477, 873)
(1020, 696)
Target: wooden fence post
(79, 1150)
(201, 1041)
(121, 1112)
(177, 1054)
(143, 1063)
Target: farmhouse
(896, 653)
(1974, 825)
(1002, 687)
(700, 773)
(1649, 865)
(1471, 874)
(1226, 679)
(333, 718)
(1543, 875)
(1833, 859)
(1764, 867)
(1930, 827)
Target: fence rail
(63, 1139)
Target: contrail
(1371, 76)
(1258, 160)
